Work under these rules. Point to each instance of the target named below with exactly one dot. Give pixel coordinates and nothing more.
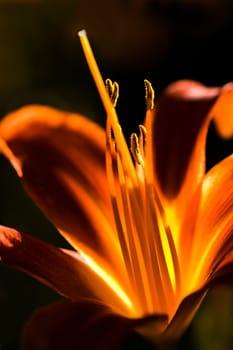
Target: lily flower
(151, 230)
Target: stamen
(141, 236)
(113, 91)
(147, 246)
(135, 149)
(120, 222)
(138, 270)
(165, 279)
(176, 279)
(150, 95)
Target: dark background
(41, 62)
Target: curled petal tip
(8, 237)
(5, 150)
(191, 89)
(223, 112)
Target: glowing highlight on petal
(109, 280)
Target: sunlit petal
(222, 112)
(214, 224)
(62, 160)
(66, 272)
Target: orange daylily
(152, 232)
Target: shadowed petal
(61, 157)
(66, 272)
(179, 128)
(82, 325)
(190, 304)
(180, 117)
(223, 273)
(183, 316)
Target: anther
(150, 94)
(142, 137)
(112, 90)
(135, 150)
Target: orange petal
(223, 273)
(190, 304)
(170, 331)
(183, 316)
(77, 325)
(213, 235)
(179, 128)
(62, 160)
(82, 325)
(66, 272)
(222, 112)
(178, 123)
